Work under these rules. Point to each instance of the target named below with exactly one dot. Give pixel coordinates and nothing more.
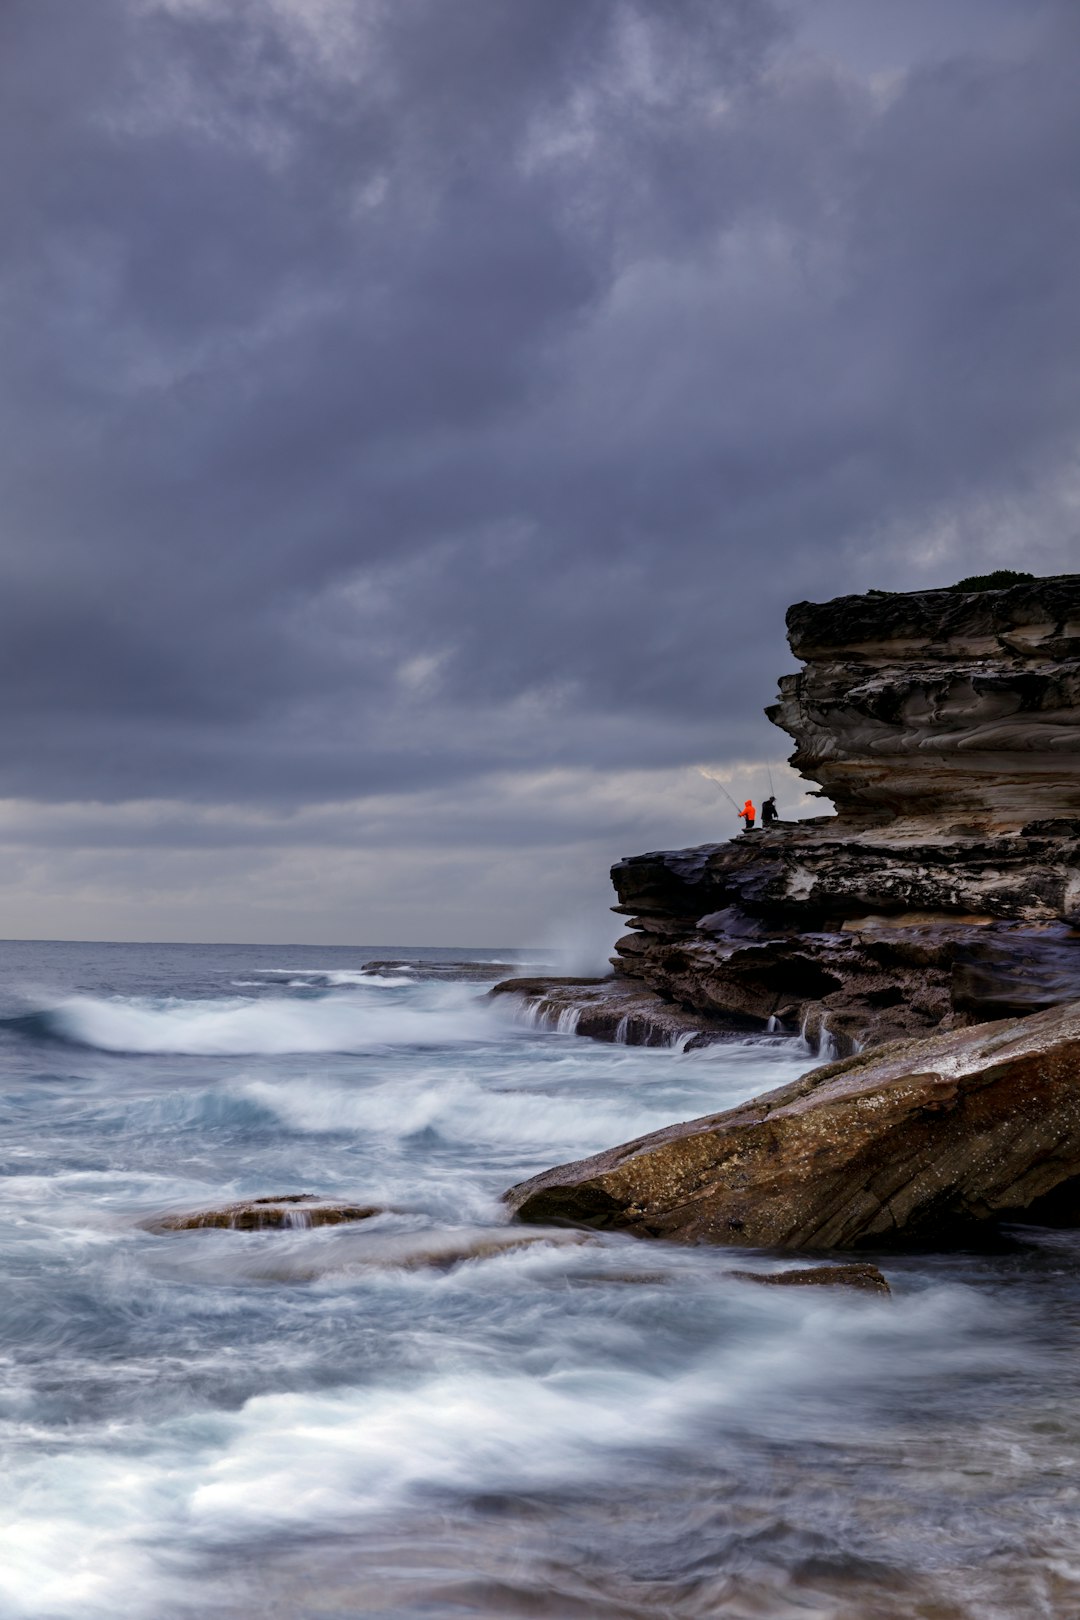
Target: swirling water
(420, 1415)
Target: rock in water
(867, 1278)
(286, 1211)
(612, 1009)
(911, 1142)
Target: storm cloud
(418, 415)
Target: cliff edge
(945, 891)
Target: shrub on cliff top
(999, 580)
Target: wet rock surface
(867, 1278)
(286, 1212)
(914, 1142)
(614, 1009)
(299, 1257)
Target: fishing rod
(723, 790)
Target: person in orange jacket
(749, 815)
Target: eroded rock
(961, 709)
(912, 1142)
(288, 1211)
(865, 1277)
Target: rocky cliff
(940, 712)
(944, 893)
(945, 728)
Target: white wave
(96, 1530)
(459, 1109)
(386, 980)
(360, 975)
(331, 981)
(239, 1026)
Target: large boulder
(911, 1142)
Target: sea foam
(268, 1025)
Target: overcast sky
(418, 415)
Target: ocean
(431, 1413)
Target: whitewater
(434, 1413)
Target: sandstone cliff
(946, 729)
(940, 712)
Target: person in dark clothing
(768, 812)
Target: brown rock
(940, 706)
(289, 1211)
(912, 1141)
(856, 1276)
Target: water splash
(239, 1026)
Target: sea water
(421, 1415)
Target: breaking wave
(456, 1108)
(264, 1027)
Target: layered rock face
(956, 712)
(915, 1142)
(946, 728)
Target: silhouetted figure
(749, 815)
(768, 812)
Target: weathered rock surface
(289, 1211)
(913, 1142)
(867, 1278)
(946, 728)
(958, 708)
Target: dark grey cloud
(401, 396)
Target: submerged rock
(353, 1249)
(289, 1211)
(912, 1142)
(865, 1277)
